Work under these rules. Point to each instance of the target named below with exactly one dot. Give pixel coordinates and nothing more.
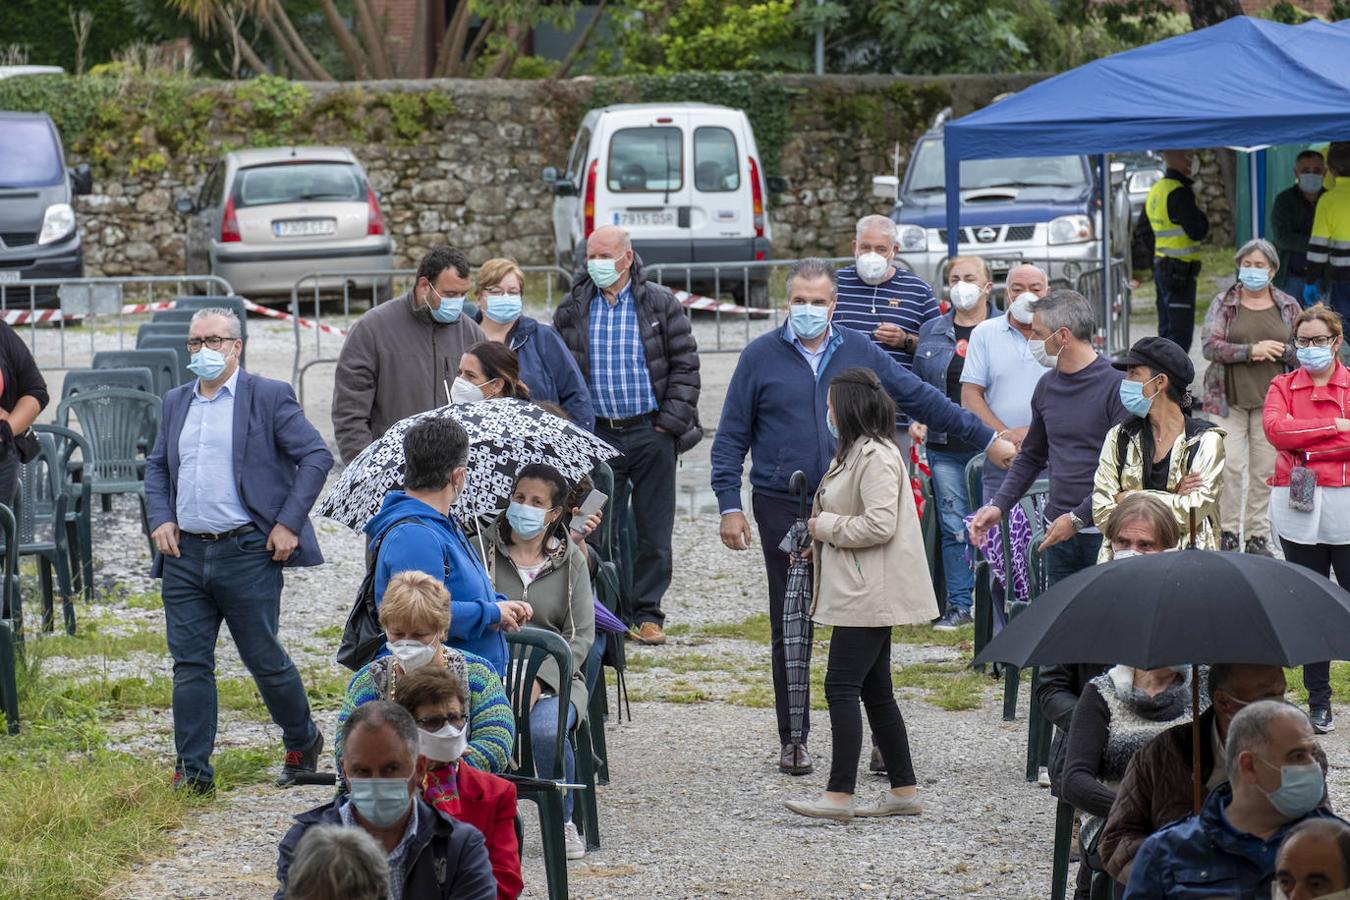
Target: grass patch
(949, 686)
(91, 639)
(236, 767)
(683, 663)
(330, 632)
(962, 638)
(1340, 683)
(678, 690)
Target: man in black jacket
(431, 856)
(633, 343)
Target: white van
(684, 179)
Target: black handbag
(362, 635)
(27, 446)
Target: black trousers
(1322, 559)
(774, 517)
(648, 464)
(1176, 306)
(860, 668)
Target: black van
(38, 234)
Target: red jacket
(1299, 419)
(488, 803)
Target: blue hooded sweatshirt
(549, 370)
(419, 537)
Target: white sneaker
(1043, 777)
(576, 847)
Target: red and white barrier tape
(708, 304)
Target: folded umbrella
(504, 435)
(1190, 606)
(797, 630)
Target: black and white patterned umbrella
(504, 435)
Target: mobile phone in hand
(594, 502)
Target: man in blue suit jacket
(223, 539)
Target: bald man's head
(1027, 278)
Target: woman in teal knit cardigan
(415, 616)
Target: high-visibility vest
(1169, 238)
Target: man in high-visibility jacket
(1329, 246)
(1178, 228)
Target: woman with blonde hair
(415, 616)
(546, 365)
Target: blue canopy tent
(1244, 83)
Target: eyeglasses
(436, 723)
(215, 342)
(1319, 341)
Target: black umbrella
(797, 631)
(1190, 606)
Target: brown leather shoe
(651, 634)
(795, 760)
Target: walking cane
(1197, 794)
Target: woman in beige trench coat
(870, 574)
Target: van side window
(646, 159)
(716, 165)
(576, 158)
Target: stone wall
(460, 161)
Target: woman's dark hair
(431, 451)
(1178, 394)
(499, 361)
(557, 495)
(862, 409)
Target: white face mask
(1125, 554)
(463, 391)
(412, 654)
(446, 745)
(965, 295)
(1038, 353)
(1021, 310)
(872, 267)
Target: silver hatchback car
(265, 218)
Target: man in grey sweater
(1072, 408)
(400, 356)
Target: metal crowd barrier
(336, 287)
(1117, 312)
(44, 310)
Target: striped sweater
(492, 724)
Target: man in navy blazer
(224, 538)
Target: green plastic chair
(40, 508)
(1059, 865)
(529, 648)
(112, 421)
(163, 364)
(608, 591)
(11, 622)
(79, 505)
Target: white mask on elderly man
(1021, 310)
(872, 267)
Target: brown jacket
(1157, 791)
(868, 548)
(394, 364)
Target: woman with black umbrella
(865, 530)
(1307, 421)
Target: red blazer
(488, 803)
(1299, 419)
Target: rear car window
(298, 182)
(646, 159)
(29, 154)
(716, 165)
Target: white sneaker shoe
(576, 847)
(1043, 777)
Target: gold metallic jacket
(1113, 478)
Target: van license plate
(9, 276)
(304, 227)
(649, 218)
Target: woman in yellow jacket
(870, 574)
(1160, 448)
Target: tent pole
(1261, 192)
(1108, 302)
(1253, 195)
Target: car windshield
(298, 182)
(646, 159)
(1033, 171)
(29, 155)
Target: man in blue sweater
(775, 409)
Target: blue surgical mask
(207, 364)
(1133, 399)
(833, 428)
(602, 272)
(526, 521)
(1310, 182)
(1314, 359)
(503, 308)
(808, 321)
(448, 309)
(1254, 279)
(380, 801)
(1301, 789)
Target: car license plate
(1002, 265)
(304, 227)
(654, 218)
(9, 276)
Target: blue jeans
(1339, 299)
(1073, 555)
(1293, 286)
(233, 580)
(593, 661)
(949, 490)
(543, 732)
